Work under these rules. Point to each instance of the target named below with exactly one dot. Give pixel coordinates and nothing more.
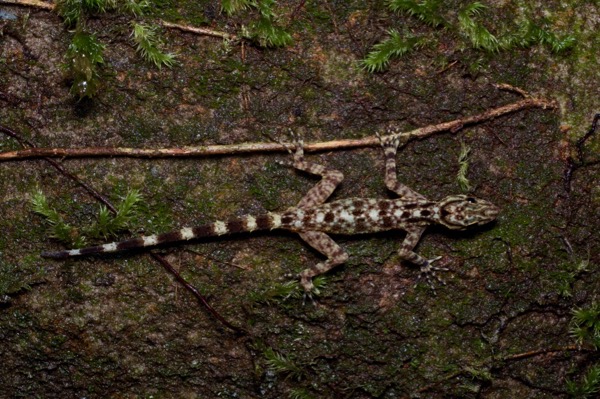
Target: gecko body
(313, 219)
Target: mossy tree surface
(120, 326)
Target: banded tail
(244, 224)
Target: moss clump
(84, 56)
(465, 26)
(107, 224)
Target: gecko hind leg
(326, 246)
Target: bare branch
(199, 31)
(247, 148)
(29, 3)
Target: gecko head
(458, 212)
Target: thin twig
(196, 293)
(507, 87)
(26, 143)
(200, 31)
(30, 3)
(533, 353)
(246, 148)
(197, 253)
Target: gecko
(314, 219)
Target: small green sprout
(232, 6)
(148, 42)
(72, 10)
(463, 162)
(85, 52)
(267, 34)
(589, 386)
(58, 228)
(105, 226)
(480, 37)
(290, 289)
(463, 24)
(136, 8)
(585, 325)
(425, 10)
(300, 393)
(109, 225)
(393, 47)
(530, 34)
(264, 31)
(280, 364)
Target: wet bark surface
(121, 326)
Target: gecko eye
(471, 200)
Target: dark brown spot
(203, 231)
(388, 222)
(425, 212)
(384, 205)
(236, 226)
(128, 244)
(358, 203)
(56, 255)
(169, 237)
(360, 224)
(411, 206)
(263, 222)
(308, 221)
(358, 212)
(90, 250)
(405, 215)
(287, 219)
(329, 216)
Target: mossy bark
(120, 326)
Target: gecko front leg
(390, 147)
(406, 252)
(330, 178)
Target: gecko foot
(428, 271)
(390, 141)
(295, 149)
(310, 297)
(310, 291)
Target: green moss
(148, 45)
(467, 25)
(84, 57)
(15, 278)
